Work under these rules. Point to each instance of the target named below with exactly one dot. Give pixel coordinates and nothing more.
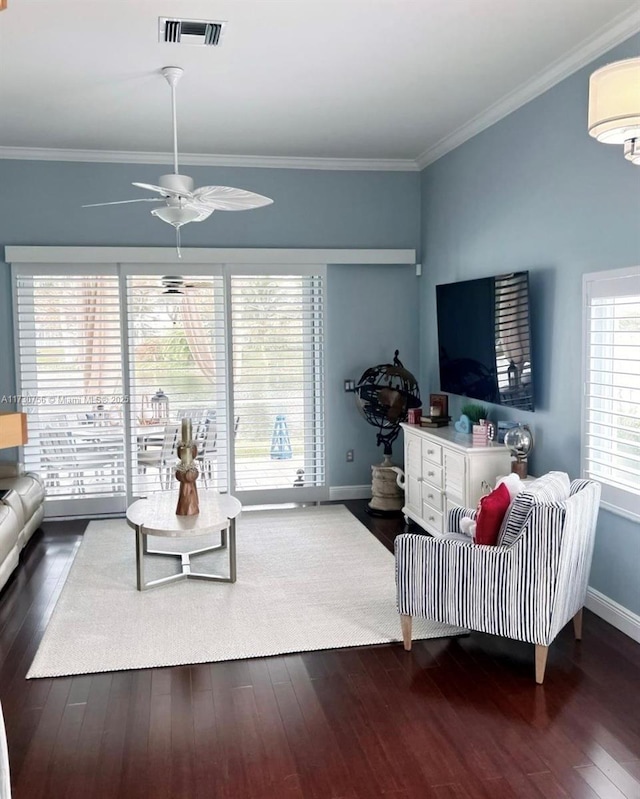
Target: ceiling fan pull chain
(178, 242)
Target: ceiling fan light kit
(178, 215)
(181, 202)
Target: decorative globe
(520, 441)
(384, 395)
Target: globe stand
(387, 497)
(519, 466)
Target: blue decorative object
(463, 425)
(280, 441)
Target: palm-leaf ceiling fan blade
(122, 202)
(226, 198)
(161, 190)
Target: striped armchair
(527, 587)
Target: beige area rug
(308, 578)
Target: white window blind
(177, 369)
(70, 385)
(277, 333)
(611, 411)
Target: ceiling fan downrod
(172, 76)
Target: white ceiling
(351, 79)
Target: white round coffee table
(156, 515)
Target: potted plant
(474, 412)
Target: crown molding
(624, 26)
(201, 159)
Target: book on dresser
(444, 469)
(435, 421)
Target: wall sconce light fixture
(614, 106)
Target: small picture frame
(440, 401)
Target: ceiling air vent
(189, 31)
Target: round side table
(156, 516)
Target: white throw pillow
(551, 487)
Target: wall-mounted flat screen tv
(484, 339)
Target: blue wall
(532, 192)
(536, 192)
(370, 310)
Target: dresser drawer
(432, 452)
(433, 520)
(432, 496)
(432, 473)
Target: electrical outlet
(350, 385)
(349, 456)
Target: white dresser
(443, 469)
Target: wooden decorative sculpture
(187, 473)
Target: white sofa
(21, 512)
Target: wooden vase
(186, 475)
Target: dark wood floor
(453, 718)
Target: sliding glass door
(110, 361)
(278, 388)
(70, 383)
(176, 369)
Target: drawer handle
(429, 496)
(430, 452)
(430, 474)
(431, 519)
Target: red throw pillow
(491, 512)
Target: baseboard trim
(615, 614)
(338, 493)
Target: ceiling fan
(174, 284)
(177, 285)
(181, 203)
